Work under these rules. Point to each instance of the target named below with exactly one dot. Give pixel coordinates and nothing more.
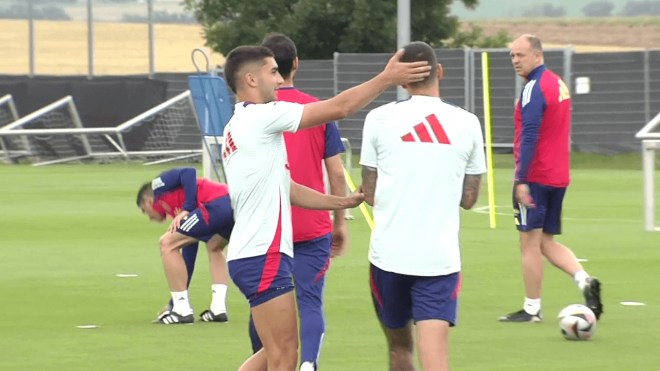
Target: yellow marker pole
(485, 73)
(363, 208)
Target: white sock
(307, 366)
(219, 298)
(181, 303)
(532, 306)
(580, 279)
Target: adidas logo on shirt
(422, 134)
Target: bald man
(541, 152)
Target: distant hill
(515, 8)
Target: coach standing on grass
(541, 152)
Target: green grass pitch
(67, 231)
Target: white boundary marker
(87, 326)
(632, 303)
(126, 275)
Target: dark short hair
(285, 52)
(241, 56)
(145, 190)
(420, 51)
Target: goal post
(8, 114)
(650, 146)
(56, 134)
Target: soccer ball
(577, 322)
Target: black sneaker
(522, 316)
(174, 318)
(208, 316)
(591, 294)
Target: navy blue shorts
(311, 261)
(262, 278)
(220, 221)
(546, 214)
(398, 298)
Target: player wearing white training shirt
(261, 191)
(422, 158)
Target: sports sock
(189, 254)
(181, 303)
(307, 366)
(532, 306)
(580, 279)
(219, 297)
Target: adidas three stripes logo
(422, 134)
(189, 223)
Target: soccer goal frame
(113, 135)
(8, 100)
(650, 144)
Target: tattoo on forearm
(369, 177)
(471, 188)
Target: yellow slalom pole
(485, 69)
(363, 208)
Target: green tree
(321, 27)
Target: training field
(68, 230)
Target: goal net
(650, 150)
(55, 134)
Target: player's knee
(166, 243)
(402, 358)
(283, 357)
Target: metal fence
(622, 92)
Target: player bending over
(421, 159)
(201, 211)
(261, 190)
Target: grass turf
(67, 231)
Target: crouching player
(201, 211)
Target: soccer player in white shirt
(261, 191)
(422, 158)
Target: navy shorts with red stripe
(264, 277)
(398, 298)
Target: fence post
(568, 80)
(335, 60)
(568, 66)
(31, 37)
(647, 87)
(90, 40)
(466, 78)
(152, 43)
(472, 82)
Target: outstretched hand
(401, 73)
(355, 199)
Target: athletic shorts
(262, 278)
(398, 298)
(220, 221)
(546, 214)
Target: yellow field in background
(120, 48)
